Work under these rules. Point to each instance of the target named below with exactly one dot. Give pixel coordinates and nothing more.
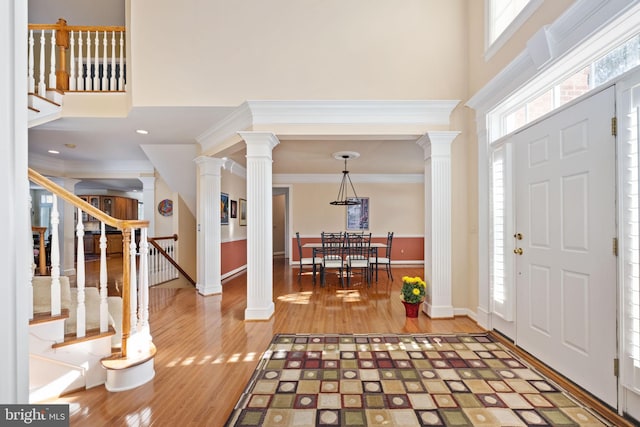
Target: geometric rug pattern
(381, 380)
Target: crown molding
(350, 112)
(90, 169)
(355, 178)
(551, 44)
(328, 113)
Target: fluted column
(437, 235)
(259, 224)
(149, 202)
(208, 238)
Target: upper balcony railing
(76, 58)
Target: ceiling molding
(355, 178)
(330, 116)
(424, 112)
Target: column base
(259, 313)
(209, 289)
(437, 312)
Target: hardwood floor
(207, 352)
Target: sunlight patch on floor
(297, 298)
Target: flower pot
(411, 308)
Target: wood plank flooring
(206, 351)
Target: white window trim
(501, 40)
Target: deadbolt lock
(518, 251)
(518, 236)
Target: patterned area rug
(401, 380)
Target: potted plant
(412, 294)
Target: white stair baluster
(133, 286)
(42, 86)
(52, 65)
(32, 80)
(104, 305)
(81, 325)
(112, 80)
(96, 64)
(56, 308)
(105, 81)
(72, 62)
(121, 74)
(80, 79)
(89, 81)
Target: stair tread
(118, 362)
(91, 334)
(47, 317)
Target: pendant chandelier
(343, 198)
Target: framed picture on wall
(234, 209)
(242, 212)
(224, 208)
(358, 215)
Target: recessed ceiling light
(70, 145)
(54, 152)
(142, 131)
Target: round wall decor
(165, 207)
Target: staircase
(43, 109)
(79, 337)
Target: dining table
(315, 246)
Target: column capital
(209, 165)
(437, 143)
(259, 143)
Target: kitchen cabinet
(115, 206)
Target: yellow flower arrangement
(413, 289)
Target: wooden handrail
(174, 237)
(171, 260)
(59, 27)
(120, 224)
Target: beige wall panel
(223, 53)
(186, 238)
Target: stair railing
(163, 264)
(96, 59)
(136, 337)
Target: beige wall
(392, 207)
(163, 224)
(233, 51)
(187, 235)
(235, 187)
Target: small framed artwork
(224, 208)
(358, 215)
(234, 209)
(242, 219)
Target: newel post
(62, 42)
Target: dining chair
(357, 256)
(376, 261)
(306, 262)
(332, 255)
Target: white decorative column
(149, 202)
(437, 235)
(259, 224)
(209, 280)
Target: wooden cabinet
(114, 243)
(115, 206)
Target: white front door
(566, 273)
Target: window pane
(503, 12)
(574, 86)
(617, 61)
(540, 106)
(516, 119)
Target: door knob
(518, 251)
(518, 236)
